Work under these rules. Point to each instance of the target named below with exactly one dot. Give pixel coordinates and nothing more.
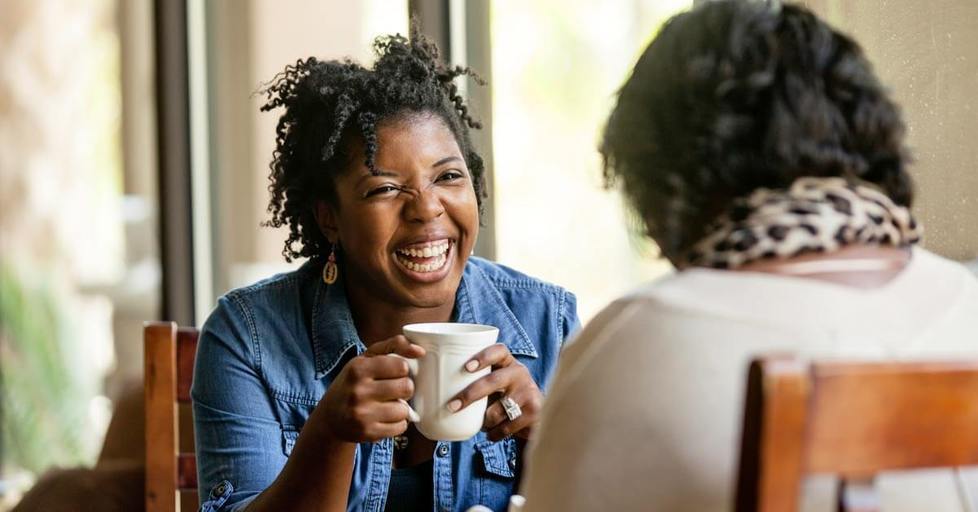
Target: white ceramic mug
(440, 375)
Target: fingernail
(454, 405)
(472, 365)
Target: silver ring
(512, 408)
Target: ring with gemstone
(512, 408)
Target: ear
(326, 219)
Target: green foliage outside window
(44, 409)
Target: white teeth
(425, 267)
(437, 249)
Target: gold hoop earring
(330, 270)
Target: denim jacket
(268, 353)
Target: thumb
(395, 345)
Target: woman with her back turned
(768, 163)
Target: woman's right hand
(362, 403)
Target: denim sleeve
(571, 323)
(239, 441)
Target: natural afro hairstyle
(332, 107)
(738, 95)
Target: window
(79, 271)
(556, 67)
(249, 44)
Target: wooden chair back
(854, 420)
(171, 475)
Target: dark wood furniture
(854, 420)
(171, 475)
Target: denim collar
(477, 301)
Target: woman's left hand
(508, 378)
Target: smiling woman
(407, 227)
(297, 396)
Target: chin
(436, 293)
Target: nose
(425, 207)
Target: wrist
(323, 430)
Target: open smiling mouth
(425, 258)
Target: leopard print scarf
(813, 215)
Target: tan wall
(329, 29)
(927, 53)
(234, 177)
(250, 42)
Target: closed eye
(450, 176)
(384, 189)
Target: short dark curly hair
(331, 107)
(738, 95)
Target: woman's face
(407, 232)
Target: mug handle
(413, 415)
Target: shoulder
(514, 283)
(932, 265)
(273, 295)
(277, 284)
(631, 348)
(525, 296)
(938, 288)
(651, 329)
(506, 277)
(243, 314)
(534, 317)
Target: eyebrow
(447, 159)
(391, 174)
(380, 172)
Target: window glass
(79, 271)
(556, 66)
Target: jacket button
(442, 450)
(219, 491)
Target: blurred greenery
(44, 411)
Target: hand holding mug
(509, 380)
(440, 374)
(364, 403)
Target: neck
(377, 319)
(872, 266)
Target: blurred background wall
(248, 43)
(927, 53)
(81, 255)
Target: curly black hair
(332, 107)
(738, 95)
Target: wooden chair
(171, 475)
(853, 420)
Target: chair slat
(854, 420)
(777, 395)
(171, 476)
(187, 472)
(161, 415)
(862, 413)
(186, 351)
